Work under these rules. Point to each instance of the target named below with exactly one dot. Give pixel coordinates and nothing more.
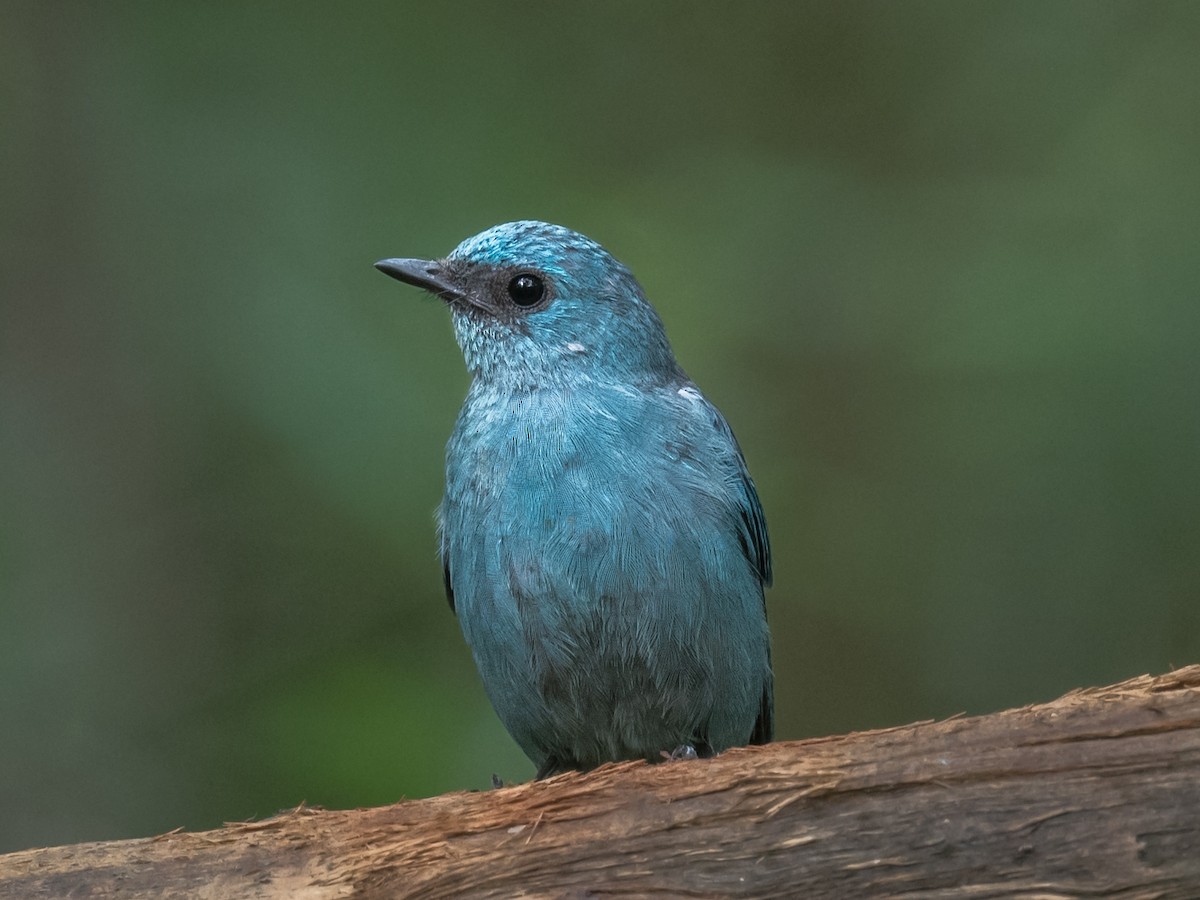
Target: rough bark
(1094, 794)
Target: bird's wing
(449, 586)
(755, 542)
(764, 725)
(445, 554)
(757, 547)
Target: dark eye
(526, 290)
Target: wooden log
(1094, 794)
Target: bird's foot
(682, 752)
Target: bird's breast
(555, 443)
(573, 492)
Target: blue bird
(603, 545)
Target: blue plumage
(603, 544)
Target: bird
(602, 543)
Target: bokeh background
(936, 261)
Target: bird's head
(534, 302)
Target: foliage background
(935, 260)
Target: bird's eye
(526, 289)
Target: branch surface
(1094, 794)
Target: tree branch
(1097, 793)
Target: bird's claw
(682, 752)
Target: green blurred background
(936, 262)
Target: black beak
(423, 273)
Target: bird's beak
(423, 273)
